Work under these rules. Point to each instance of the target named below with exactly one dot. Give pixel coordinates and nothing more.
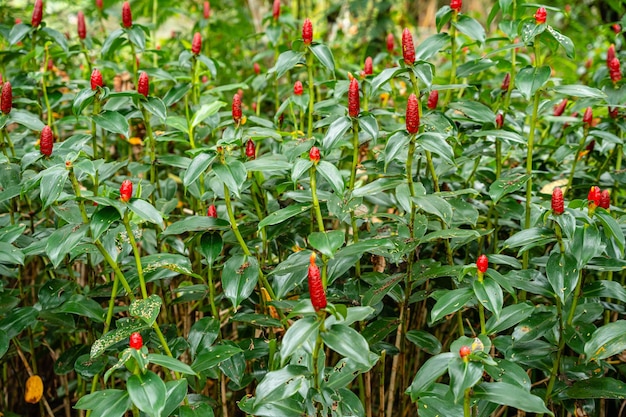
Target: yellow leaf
(34, 389)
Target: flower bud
(605, 199)
(96, 79)
(617, 29)
(615, 70)
(99, 5)
(506, 82)
(541, 15)
(390, 43)
(126, 191)
(433, 99)
(276, 9)
(236, 108)
(82, 28)
(6, 100)
(412, 115)
(314, 155)
(482, 263)
(35, 21)
(136, 341)
(307, 31)
(354, 105)
(316, 288)
(408, 50)
(127, 17)
(610, 54)
(257, 68)
(196, 43)
(212, 211)
(250, 149)
(46, 141)
(456, 5)
(499, 120)
(368, 68)
(464, 352)
(557, 203)
(588, 117)
(297, 88)
(560, 108)
(206, 10)
(143, 84)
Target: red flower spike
(37, 13)
(6, 100)
(307, 31)
(206, 10)
(297, 88)
(617, 29)
(126, 191)
(236, 108)
(456, 5)
(506, 82)
(99, 5)
(433, 99)
(314, 155)
(591, 146)
(594, 196)
(276, 9)
(610, 54)
(390, 43)
(615, 70)
(412, 115)
(127, 17)
(82, 28)
(368, 68)
(613, 112)
(196, 43)
(250, 149)
(257, 68)
(46, 141)
(316, 289)
(464, 352)
(541, 15)
(354, 105)
(588, 117)
(143, 84)
(96, 79)
(136, 341)
(408, 49)
(482, 263)
(605, 199)
(499, 120)
(212, 211)
(560, 108)
(558, 206)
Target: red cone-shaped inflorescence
(617, 29)
(558, 205)
(212, 211)
(6, 99)
(613, 112)
(588, 117)
(390, 43)
(136, 341)
(408, 49)
(412, 115)
(615, 70)
(236, 108)
(499, 120)
(482, 263)
(354, 105)
(506, 82)
(541, 15)
(196, 43)
(37, 13)
(46, 141)
(297, 88)
(307, 31)
(96, 79)
(257, 68)
(126, 191)
(82, 28)
(464, 352)
(250, 149)
(127, 17)
(605, 199)
(314, 154)
(316, 289)
(206, 10)
(276, 10)
(433, 99)
(456, 5)
(143, 84)
(594, 196)
(99, 5)
(610, 54)
(560, 108)
(368, 68)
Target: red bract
(588, 117)
(236, 108)
(314, 155)
(390, 43)
(127, 17)
(506, 82)
(613, 112)
(433, 99)
(316, 288)
(307, 32)
(82, 29)
(212, 211)
(206, 10)
(615, 70)
(46, 141)
(541, 15)
(605, 199)
(616, 28)
(143, 84)
(354, 105)
(196, 43)
(99, 4)
(464, 352)
(557, 203)
(408, 50)
(276, 9)
(257, 68)
(368, 68)
(136, 341)
(482, 263)
(96, 79)
(126, 191)
(297, 88)
(250, 149)
(610, 54)
(594, 196)
(6, 99)
(560, 108)
(37, 13)
(499, 120)
(456, 5)
(412, 115)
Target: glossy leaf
(147, 392)
(239, 278)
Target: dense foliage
(286, 211)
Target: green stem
(214, 310)
(467, 401)
(570, 178)
(316, 372)
(452, 56)
(45, 90)
(151, 138)
(133, 244)
(7, 138)
(481, 314)
(557, 361)
(309, 65)
(316, 203)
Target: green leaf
(10, 255)
(105, 403)
(327, 242)
(450, 302)
(563, 274)
(198, 165)
(283, 214)
(376, 186)
(435, 205)
(83, 306)
(436, 143)
(286, 61)
(564, 41)
(396, 144)
(147, 392)
(4, 343)
(430, 46)
(145, 211)
(281, 384)
(172, 364)
(101, 220)
(332, 175)
(239, 278)
(195, 224)
(428, 373)
(335, 132)
(511, 395)
(63, 240)
(18, 320)
(112, 121)
(26, 119)
(463, 375)
(202, 335)
(56, 36)
(507, 185)
(137, 36)
(211, 245)
(489, 294)
(124, 329)
(269, 163)
(470, 27)
(606, 341)
(530, 79)
(425, 341)
(233, 174)
(176, 392)
(528, 238)
(52, 183)
(156, 107)
(213, 356)
(83, 99)
(303, 331)
(505, 135)
(349, 343)
(324, 56)
(146, 309)
(369, 125)
(605, 289)
(579, 90)
(205, 111)
(474, 111)
(509, 317)
(18, 32)
(605, 387)
(612, 228)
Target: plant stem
(133, 244)
(570, 178)
(44, 90)
(467, 401)
(151, 138)
(309, 66)
(452, 56)
(316, 352)
(316, 203)
(355, 162)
